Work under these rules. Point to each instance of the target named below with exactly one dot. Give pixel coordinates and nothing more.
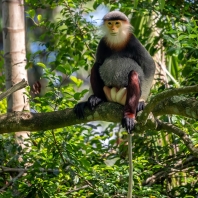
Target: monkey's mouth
(113, 34)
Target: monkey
(123, 70)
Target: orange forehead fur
(118, 42)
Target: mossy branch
(110, 112)
(165, 95)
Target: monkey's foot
(79, 109)
(140, 106)
(93, 101)
(128, 123)
(36, 88)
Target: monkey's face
(114, 26)
(116, 33)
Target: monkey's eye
(117, 23)
(109, 23)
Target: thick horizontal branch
(110, 112)
(26, 121)
(164, 95)
(177, 105)
(15, 87)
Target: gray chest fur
(114, 71)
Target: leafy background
(90, 160)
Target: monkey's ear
(36, 88)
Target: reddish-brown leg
(132, 100)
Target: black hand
(93, 101)
(79, 109)
(140, 106)
(128, 123)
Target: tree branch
(12, 181)
(26, 121)
(15, 87)
(177, 105)
(167, 170)
(186, 139)
(111, 112)
(164, 95)
(8, 169)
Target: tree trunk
(15, 55)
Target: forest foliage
(89, 160)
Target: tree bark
(107, 111)
(14, 54)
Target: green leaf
(181, 37)
(31, 13)
(41, 65)
(29, 65)
(77, 81)
(135, 4)
(193, 36)
(161, 4)
(78, 96)
(61, 69)
(39, 17)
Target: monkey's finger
(79, 113)
(128, 123)
(129, 131)
(79, 109)
(94, 103)
(76, 111)
(91, 102)
(123, 122)
(140, 106)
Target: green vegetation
(86, 160)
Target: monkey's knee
(133, 77)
